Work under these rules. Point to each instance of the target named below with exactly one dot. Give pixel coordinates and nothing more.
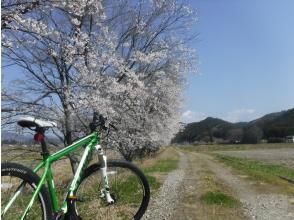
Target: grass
(19, 205)
(165, 166)
(129, 190)
(126, 188)
(153, 182)
(257, 168)
(260, 171)
(219, 198)
(223, 147)
(214, 192)
(207, 197)
(159, 167)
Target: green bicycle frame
(90, 141)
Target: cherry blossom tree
(126, 59)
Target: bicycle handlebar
(99, 120)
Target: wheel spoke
(126, 189)
(18, 185)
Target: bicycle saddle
(29, 121)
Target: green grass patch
(129, 189)
(258, 170)
(219, 198)
(162, 166)
(153, 182)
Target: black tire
(12, 176)
(129, 188)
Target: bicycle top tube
(93, 137)
(90, 141)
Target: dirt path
(179, 197)
(169, 194)
(256, 205)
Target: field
(213, 182)
(280, 156)
(125, 188)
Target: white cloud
(240, 115)
(237, 115)
(190, 116)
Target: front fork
(71, 212)
(103, 172)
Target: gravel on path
(169, 194)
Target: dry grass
(265, 177)
(156, 168)
(230, 147)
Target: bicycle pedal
(75, 198)
(80, 200)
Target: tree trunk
(73, 158)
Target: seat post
(45, 152)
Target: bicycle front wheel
(128, 187)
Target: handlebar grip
(95, 116)
(99, 120)
(115, 128)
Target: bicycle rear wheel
(21, 181)
(128, 187)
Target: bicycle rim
(9, 186)
(126, 188)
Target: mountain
(8, 137)
(272, 127)
(13, 138)
(202, 130)
(280, 126)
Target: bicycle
(104, 190)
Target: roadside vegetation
(158, 166)
(230, 147)
(219, 198)
(155, 168)
(216, 200)
(163, 166)
(206, 196)
(277, 175)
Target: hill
(8, 137)
(273, 127)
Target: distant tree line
(271, 128)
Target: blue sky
(246, 56)
(246, 60)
